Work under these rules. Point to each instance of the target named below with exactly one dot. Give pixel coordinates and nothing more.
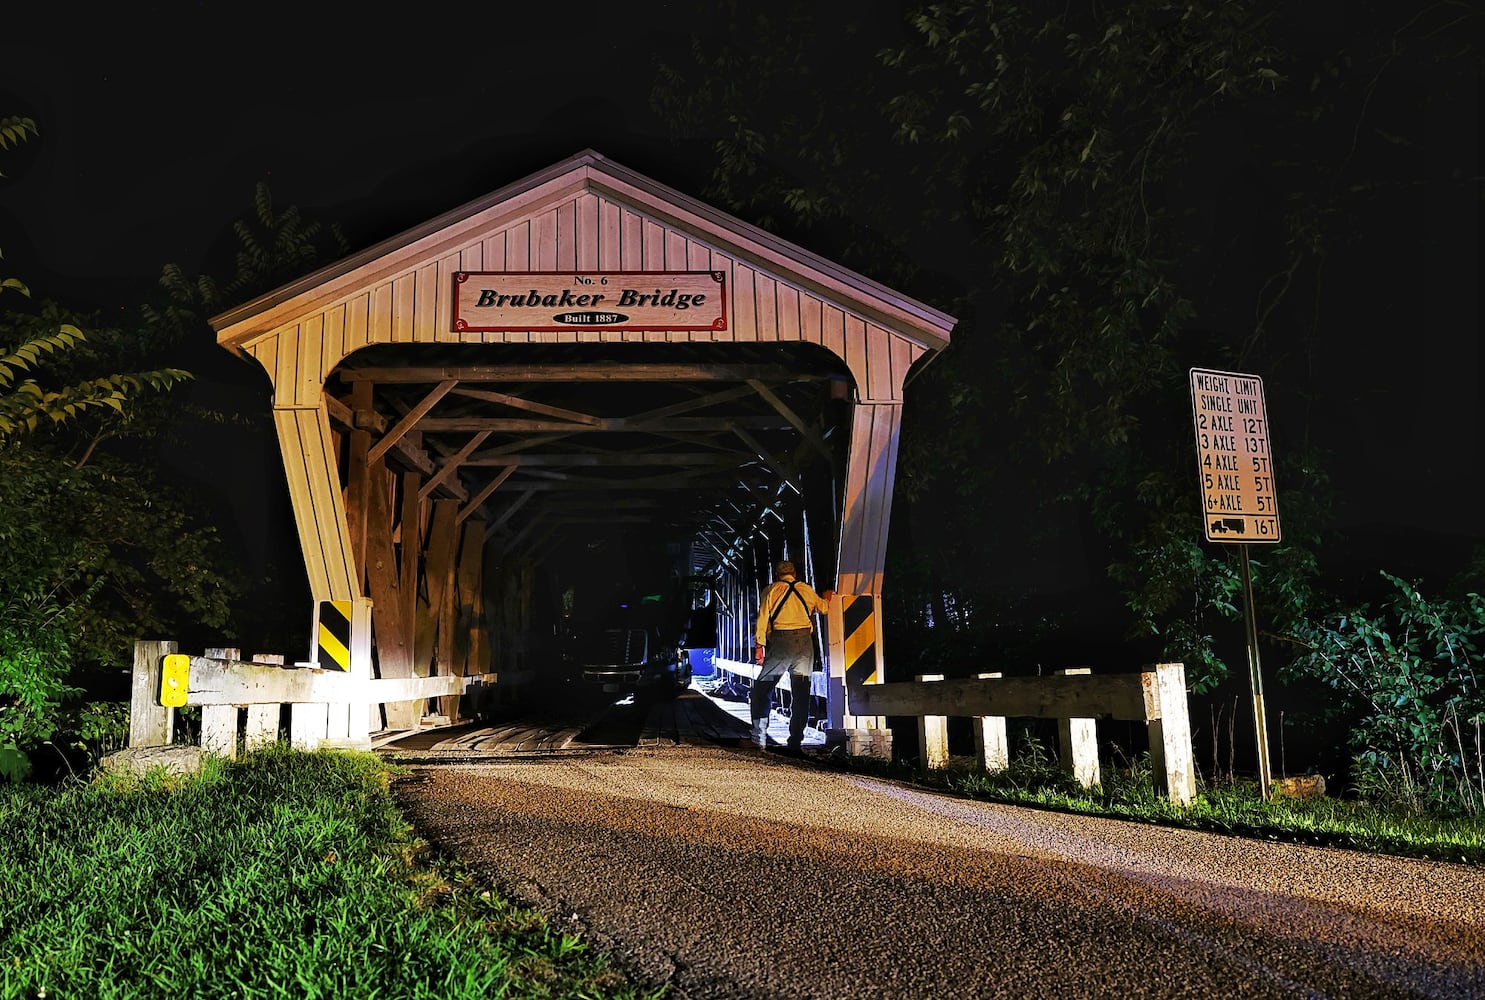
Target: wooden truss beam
(596, 372)
(621, 425)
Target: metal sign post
(1238, 500)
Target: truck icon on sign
(1222, 525)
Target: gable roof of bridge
(585, 213)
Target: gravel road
(731, 874)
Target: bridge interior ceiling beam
(566, 443)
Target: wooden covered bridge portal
(583, 361)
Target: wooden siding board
(870, 467)
(744, 317)
(833, 331)
(786, 299)
(425, 303)
(286, 371)
(610, 236)
(765, 306)
(632, 246)
(904, 353)
(567, 237)
(809, 319)
(544, 230)
(442, 297)
(357, 323)
(518, 247)
(324, 468)
(307, 383)
(332, 342)
(404, 304)
(314, 490)
(878, 363)
(381, 314)
(495, 252)
(586, 238)
(855, 355)
(676, 251)
(890, 425)
(858, 460)
(653, 247)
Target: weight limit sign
(1234, 462)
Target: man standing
(785, 638)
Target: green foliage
(281, 874)
(274, 248)
(1066, 179)
(112, 541)
(27, 404)
(35, 660)
(15, 130)
(97, 727)
(1408, 672)
(1035, 779)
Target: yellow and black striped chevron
(335, 635)
(859, 625)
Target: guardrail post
(150, 723)
(933, 735)
(991, 745)
(308, 724)
(1171, 756)
(1078, 741)
(261, 728)
(219, 722)
(219, 730)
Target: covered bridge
(474, 414)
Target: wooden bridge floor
(691, 717)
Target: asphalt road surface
(727, 873)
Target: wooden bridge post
(150, 723)
(933, 735)
(1171, 756)
(1078, 743)
(991, 745)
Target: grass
(283, 874)
(1034, 779)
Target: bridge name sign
(577, 300)
(1234, 463)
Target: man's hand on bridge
(758, 655)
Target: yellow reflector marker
(173, 680)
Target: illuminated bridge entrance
(585, 402)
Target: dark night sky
(158, 120)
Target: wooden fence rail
(243, 700)
(1075, 697)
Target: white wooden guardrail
(243, 700)
(1075, 697)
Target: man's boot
(760, 732)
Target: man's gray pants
(791, 651)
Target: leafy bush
(1407, 671)
(35, 660)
